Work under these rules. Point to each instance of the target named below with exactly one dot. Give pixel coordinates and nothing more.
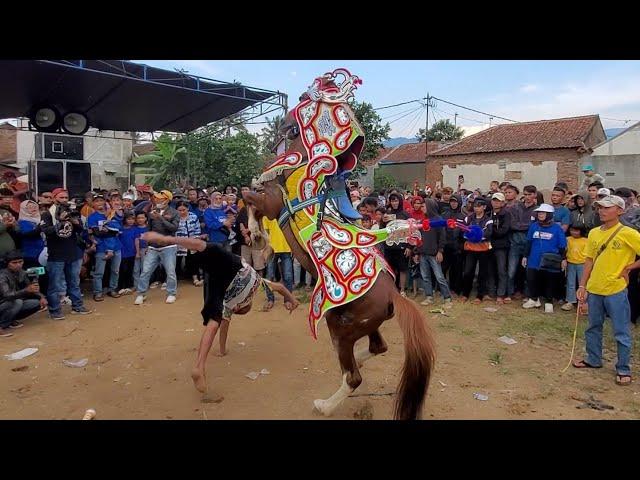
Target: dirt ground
(140, 358)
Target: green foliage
(205, 157)
(441, 131)
(383, 181)
(375, 133)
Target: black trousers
(125, 278)
(498, 272)
(453, 265)
(471, 260)
(542, 284)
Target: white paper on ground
(507, 340)
(21, 354)
(76, 363)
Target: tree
(270, 134)
(441, 131)
(383, 181)
(165, 160)
(375, 133)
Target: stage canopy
(126, 96)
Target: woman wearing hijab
(545, 259)
(31, 236)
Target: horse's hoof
(321, 407)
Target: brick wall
(8, 145)
(567, 161)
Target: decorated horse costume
(305, 188)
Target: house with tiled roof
(405, 162)
(539, 153)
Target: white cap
(611, 201)
(128, 196)
(545, 207)
(604, 191)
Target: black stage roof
(126, 96)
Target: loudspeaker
(59, 147)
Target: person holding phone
(20, 297)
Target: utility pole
(426, 138)
(455, 120)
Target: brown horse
(362, 317)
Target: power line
(473, 110)
(406, 130)
(397, 104)
(406, 115)
(618, 120)
(460, 116)
(387, 118)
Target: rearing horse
(305, 189)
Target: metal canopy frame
(191, 101)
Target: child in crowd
(128, 240)
(576, 255)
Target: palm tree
(270, 135)
(163, 161)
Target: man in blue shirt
(562, 215)
(108, 246)
(218, 223)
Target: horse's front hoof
(321, 407)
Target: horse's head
(322, 123)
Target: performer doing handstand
(229, 286)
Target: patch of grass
(505, 371)
(467, 331)
(303, 296)
(446, 325)
(496, 358)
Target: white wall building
(618, 159)
(108, 152)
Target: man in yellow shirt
(610, 256)
(282, 253)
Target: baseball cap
(624, 192)
(587, 168)
(545, 207)
(127, 196)
(498, 196)
(604, 191)
(164, 193)
(611, 201)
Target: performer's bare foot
(221, 353)
(199, 380)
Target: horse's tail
(419, 359)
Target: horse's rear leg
(351, 378)
(377, 345)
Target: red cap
(58, 191)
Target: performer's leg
(198, 374)
(224, 329)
